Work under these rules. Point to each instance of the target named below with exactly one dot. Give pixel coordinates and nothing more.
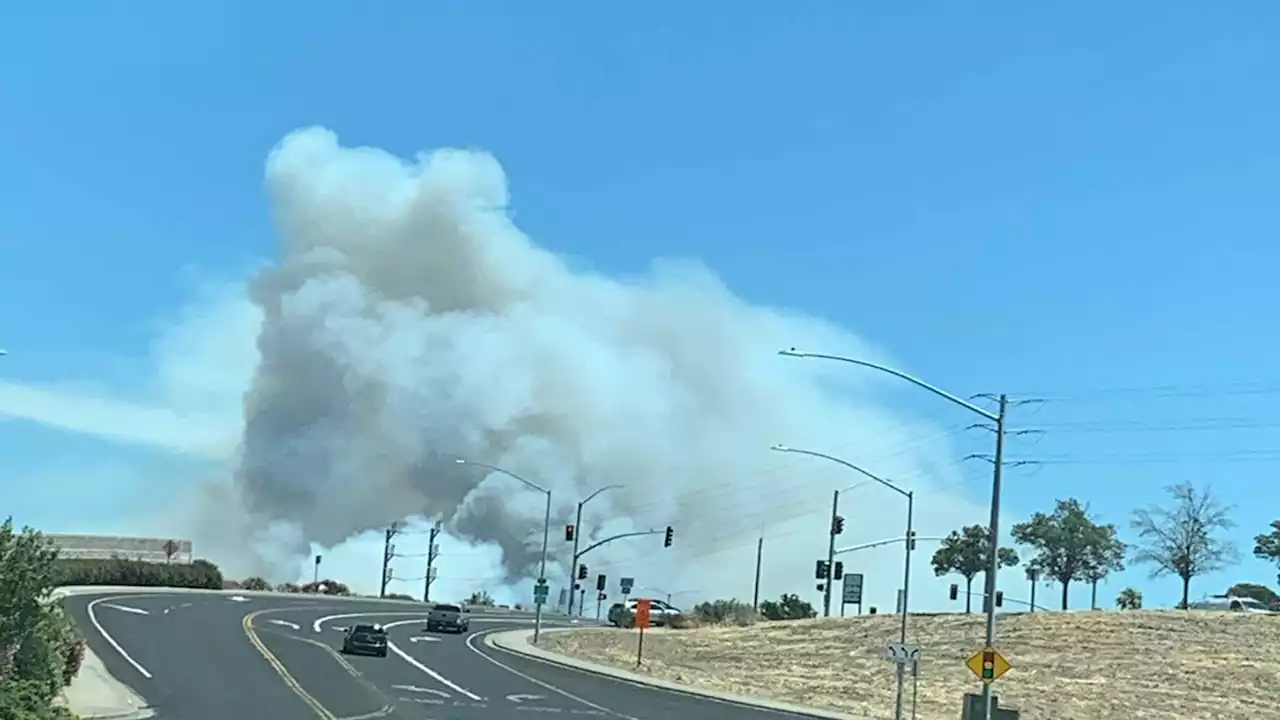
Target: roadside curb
(519, 642)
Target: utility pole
(388, 552)
(1032, 577)
(433, 550)
(993, 546)
(831, 553)
(755, 598)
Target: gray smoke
(407, 322)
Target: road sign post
(625, 584)
(540, 590)
(851, 590)
(641, 622)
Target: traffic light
(838, 571)
(988, 665)
(821, 569)
(955, 591)
(999, 598)
(837, 525)
(822, 587)
(601, 597)
(568, 532)
(600, 582)
(582, 572)
(671, 534)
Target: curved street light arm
(792, 352)
(504, 471)
(607, 540)
(588, 498)
(846, 463)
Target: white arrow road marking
(238, 598)
(126, 608)
(519, 698)
(285, 623)
(423, 638)
(415, 688)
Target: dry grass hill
(1157, 665)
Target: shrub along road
(201, 656)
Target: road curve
(214, 656)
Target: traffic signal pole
(831, 553)
(573, 567)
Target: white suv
(660, 613)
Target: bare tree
(1181, 539)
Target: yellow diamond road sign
(988, 665)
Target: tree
(255, 583)
(40, 649)
(1067, 541)
(1180, 540)
(1129, 599)
(1267, 545)
(964, 552)
(787, 607)
(1261, 593)
(480, 598)
(1105, 556)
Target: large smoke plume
(407, 323)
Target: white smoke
(407, 323)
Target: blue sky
(1047, 201)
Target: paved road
(211, 657)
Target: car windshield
(368, 630)
(448, 608)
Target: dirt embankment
(1157, 665)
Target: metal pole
(542, 571)
(831, 554)
(755, 599)
(906, 599)
(573, 567)
(431, 561)
(993, 545)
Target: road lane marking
(534, 680)
(423, 638)
(93, 620)
(126, 608)
(415, 688)
(315, 626)
(385, 710)
(274, 662)
(414, 662)
(285, 623)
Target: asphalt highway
(220, 657)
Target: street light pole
(909, 541)
(546, 534)
(993, 546)
(577, 533)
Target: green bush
(724, 612)
(40, 649)
(255, 583)
(787, 607)
(135, 573)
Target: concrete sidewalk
(95, 694)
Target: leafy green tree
(1129, 599)
(1261, 593)
(40, 649)
(1105, 556)
(480, 598)
(965, 552)
(1267, 545)
(1066, 542)
(1181, 539)
(255, 583)
(787, 607)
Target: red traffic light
(568, 532)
